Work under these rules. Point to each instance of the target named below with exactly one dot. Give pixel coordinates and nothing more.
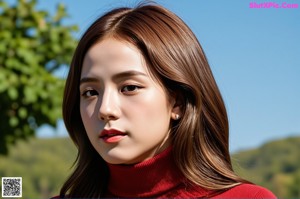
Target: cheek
(150, 111)
(87, 111)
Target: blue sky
(254, 55)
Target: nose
(109, 108)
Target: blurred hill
(44, 165)
(275, 165)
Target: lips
(111, 135)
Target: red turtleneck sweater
(158, 177)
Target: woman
(143, 108)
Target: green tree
(33, 45)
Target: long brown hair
(175, 58)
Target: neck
(146, 179)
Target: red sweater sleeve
(247, 191)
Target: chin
(114, 157)
(116, 160)
(122, 155)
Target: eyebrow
(115, 77)
(88, 79)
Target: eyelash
(85, 93)
(92, 92)
(136, 88)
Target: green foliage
(43, 164)
(33, 45)
(275, 165)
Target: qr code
(11, 187)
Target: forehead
(112, 54)
(111, 48)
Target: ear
(176, 112)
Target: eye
(130, 88)
(89, 93)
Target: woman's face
(126, 113)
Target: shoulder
(247, 191)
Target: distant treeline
(44, 164)
(275, 165)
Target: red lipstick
(111, 135)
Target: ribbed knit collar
(150, 178)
